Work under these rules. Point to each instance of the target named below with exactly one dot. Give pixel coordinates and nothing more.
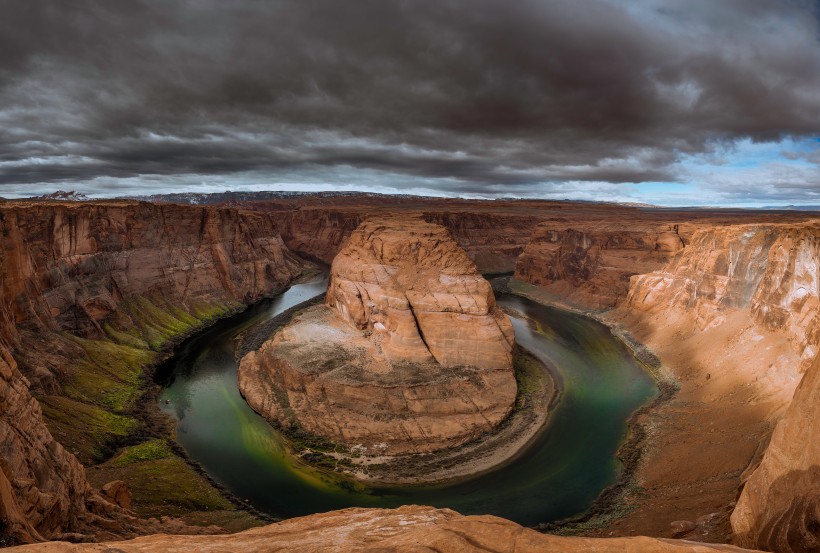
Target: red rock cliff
(85, 287)
(591, 264)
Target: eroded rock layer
(779, 508)
(592, 266)
(91, 294)
(407, 529)
(409, 354)
(420, 294)
(733, 316)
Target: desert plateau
(410, 277)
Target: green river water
(560, 474)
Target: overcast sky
(676, 102)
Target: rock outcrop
(42, 486)
(779, 508)
(90, 294)
(768, 272)
(592, 266)
(419, 293)
(407, 529)
(733, 317)
(410, 354)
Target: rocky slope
(779, 508)
(732, 316)
(91, 294)
(407, 529)
(42, 486)
(410, 355)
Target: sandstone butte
(409, 354)
(732, 314)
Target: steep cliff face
(410, 354)
(407, 529)
(769, 272)
(591, 265)
(91, 293)
(779, 508)
(492, 240)
(91, 270)
(42, 486)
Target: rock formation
(406, 529)
(779, 508)
(733, 316)
(42, 486)
(91, 289)
(410, 353)
(592, 266)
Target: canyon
(95, 293)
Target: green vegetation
(528, 377)
(146, 451)
(163, 484)
(106, 381)
(85, 429)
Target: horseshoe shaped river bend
(558, 475)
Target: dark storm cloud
(477, 92)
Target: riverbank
(163, 478)
(619, 499)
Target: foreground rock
(779, 509)
(409, 355)
(407, 529)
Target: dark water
(559, 475)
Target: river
(560, 474)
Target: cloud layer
(461, 96)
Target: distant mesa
(409, 354)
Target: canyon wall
(779, 508)
(733, 316)
(769, 273)
(90, 295)
(492, 240)
(42, 486)
(590, 265)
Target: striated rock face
(592, 266)
(493, 240)
(769, 271)
(733, 316)
(410, 283)
(410, 354)
(89, 291)
(779, 508)
(73, 267)
(42, 486)
(407, 529)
